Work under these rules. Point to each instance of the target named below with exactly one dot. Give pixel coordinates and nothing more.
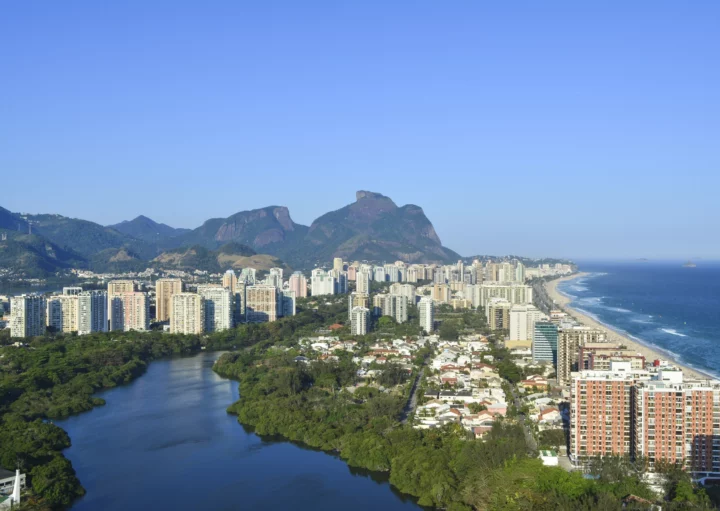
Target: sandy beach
(650, 354)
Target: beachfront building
(514, 292)
(544, 343)
(569, 340)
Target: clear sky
(535, 128)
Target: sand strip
(562, 301)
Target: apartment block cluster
(470, 388)
(128, 305)
(495, 286)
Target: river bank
(650, 353)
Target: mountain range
(372, 228)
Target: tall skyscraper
(298, 284)
(27, 316)
(247, 275)
(497, 312)
(264, 303)
(407, 291)
(395, 306)
(218, 307)
(544, 342)
(359, 321)
(92, 312)
(188, 314)
(62, 313)
(338, 264)
(164, 291)
(130, 311)
(427, 314)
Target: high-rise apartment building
(264, 303)
(359, 320)
(357, 300)
(27, 316)
(338, 264)
(362, 282)
(164, 291)
(218, 303)
(188, 314)
(395, 306)
(72, 290)
(601, 412)
(322, 283)
(62, 313)
(298, 284)
(677, 422)
(92, 312)
(426, 308)
(115, 288)
(441, 293)
(230, 280)
(522, 321)
(569, 340)
(248, 275)
(129, 311)
(379, 274)
(497, 312)
(513, 292)
(405, 290)
(288, 303)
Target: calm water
(664, 305)
(165, 442)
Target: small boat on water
(689, 264)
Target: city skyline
(579, 131)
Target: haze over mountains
(371, 228)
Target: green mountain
(34, 256)
(145, 229)
(12, 221)
(87, 238)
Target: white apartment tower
(92, 312)
(359, 320)
(188, 314)
(218, 303)
(427, 314)
(27, 316)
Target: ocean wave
(642, 321)
(672, 331)
(619, 309)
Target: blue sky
(572, 129)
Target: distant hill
(231, 255)
(375, 228)
(35, 256)
(145, 229)
(86, 238)
(372, 228)
(268, 230)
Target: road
(412, 400)
(529, 438)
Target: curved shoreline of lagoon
(165, 440)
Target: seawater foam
(672, 331)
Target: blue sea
(664, 305)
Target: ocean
(668, 307)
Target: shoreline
(563, 301)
